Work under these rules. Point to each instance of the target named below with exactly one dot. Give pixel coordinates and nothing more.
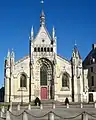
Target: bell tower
(43, 52)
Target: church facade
(43, 73)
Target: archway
(46, 75)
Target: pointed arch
(65, 80)
(23, 80)
(43, 75)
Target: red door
(43, 93)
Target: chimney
(93, 46)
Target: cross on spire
(42, 3)
(75, 43)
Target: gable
(43, 37)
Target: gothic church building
(43, 73)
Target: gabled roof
(40, 29)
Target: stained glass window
(43, 75)
(65, 80)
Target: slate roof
(92, 54)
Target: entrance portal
(46, 75)
(43, 93)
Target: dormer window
(92, 60)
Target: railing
(42, 114)
(26, 115)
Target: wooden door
(43, 93)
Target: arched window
(23, 81)
(43, 75)
(65, 80)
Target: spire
(75, 47)
(76, 51)
(42, 19)
(12, 54)
(53, 33)
(8, 54)
(32, 33)
(12, 58)
(8, 58)
(42, 16)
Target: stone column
(67, 105)
(81, 105)
(41, 106)
(18, 106)
(84, 116)
(53, 105)
(29, 106)
(51, 116)
(25, 117)
(95, 104)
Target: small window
(38, 49)
(41, 49)
(92, 90)
(48, 49)
(91, 69)
(51, 49)
(35, 49)
(45, 49)
(92, 80)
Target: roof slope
(92, 54)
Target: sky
(74, 20)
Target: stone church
(43, 73)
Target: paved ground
(60, 112)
